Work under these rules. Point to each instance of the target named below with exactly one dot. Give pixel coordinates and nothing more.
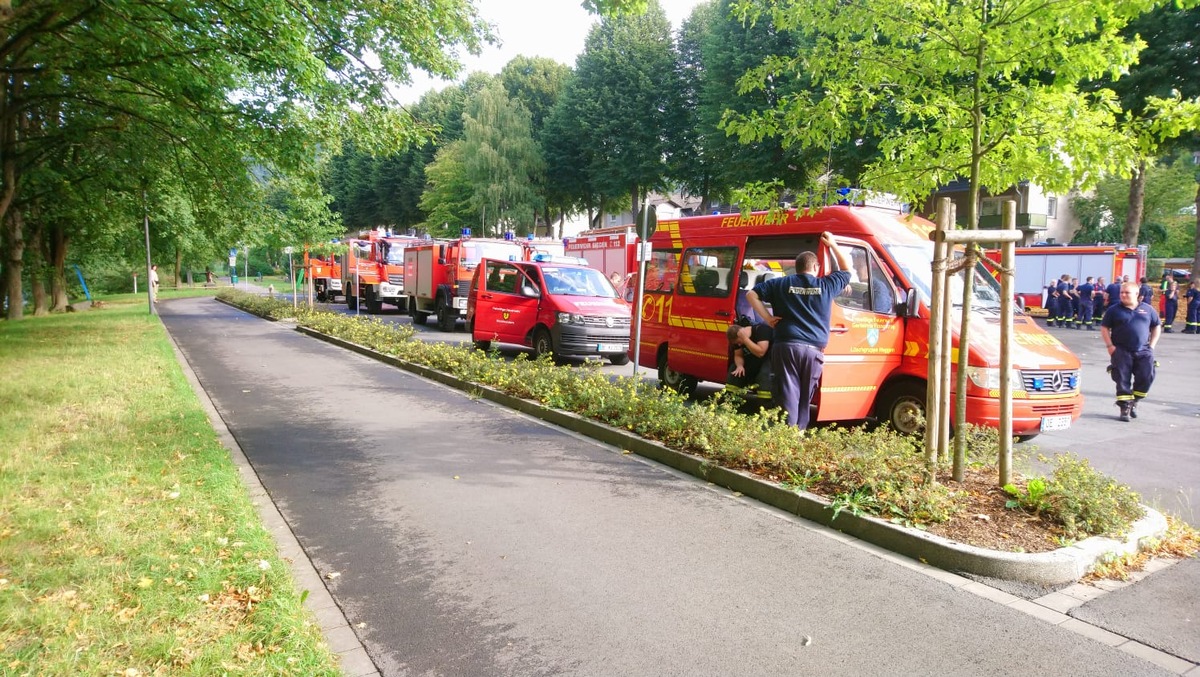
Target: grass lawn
(128, 544)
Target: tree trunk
(178, 266)
(15, 248)
(58, 272)
(37, 270)
(1137, 201)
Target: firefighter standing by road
(1062, 292)
(1170, 305)
(1085, 291)
(1112, 293)
(1193, 309)
(1145, 292)
(1130, 331)
(1098, 303)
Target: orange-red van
(876, 361)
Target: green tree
(447, 197)
(628, 78)
(989, 91)
(226, 84)
(538, 83)
(501, 161)
(1168, 186)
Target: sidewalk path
(471, 540)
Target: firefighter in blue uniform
(1145, 292)
(1193, 308)
(1170, 305)
(1098, 303)
(1085, 291)
(1112, 293)
(1130, 331)
(1050, 303)
(1061, 290)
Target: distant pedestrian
(1130, 331)
(154, 282)
(1193, 308)
(1170, 305)
(802, 303)
(1085, 291)
(1145, 292)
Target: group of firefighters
(1129, 325)
(1076, 305)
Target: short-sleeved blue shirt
(1085, 291)
(1114, 293)
(803, 303)
(1145, 293)
(1129, 328)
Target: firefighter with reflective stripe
(1130, 331)
(1073, 303)
(1098, 303)
(1193, 308)
(1085, 291)
(1062, 291)
(1050, 302)
(1170, 305)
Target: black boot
(1133, 409)
(1124, 410)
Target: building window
(991, 206)
(1052, 207)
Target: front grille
(1053, 409)
(602, 321)
(464, 287)
(396, 278)
(1049, 381)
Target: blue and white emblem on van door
(872, 337)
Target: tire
(543, 343)
(619, 360)
(447, 316)
(902, 407)
(1026, 438)
(321, 297)
(680, 383)
(351, 301)
(374, 306)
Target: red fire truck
(437, 275)
(608, 250)
(1038, 265)
(373, 271)
(325, 273)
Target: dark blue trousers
(1169, 312)
(797, 368)
(1085, 312)
(1133, 372)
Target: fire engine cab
(437, 275)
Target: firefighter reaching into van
(801, 305)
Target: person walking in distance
(1193, 308)
(154, 282)
(1170, 305)
(1130, 331)
(801, 305)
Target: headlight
(570, 318)
(988, 378)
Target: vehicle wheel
(374, 306)
(902, 406)
(321, 298)
(543, 344)
(1026, 438)
(446, 315)
(680, 383)
(351, 302)
(619, 360)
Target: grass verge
(128, 544)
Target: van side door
(506, 303)
(866, 337)
(702, 311)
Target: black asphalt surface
(471, 540)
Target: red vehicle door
(506, 302)
(866, 338)
(702, 311)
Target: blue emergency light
(465, 232)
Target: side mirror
(441, 260)
(912, 303)
(530, 291)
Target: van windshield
(578, 282)
(916, 262)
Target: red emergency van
(556, 305)
(876, 360)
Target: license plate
(390, 290)
(1055, 423)
(612, 348)
(335, 284)
(460, 302)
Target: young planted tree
(988, 91)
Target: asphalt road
(471, 540)
(1157, 454)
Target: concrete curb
(1062, 566)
